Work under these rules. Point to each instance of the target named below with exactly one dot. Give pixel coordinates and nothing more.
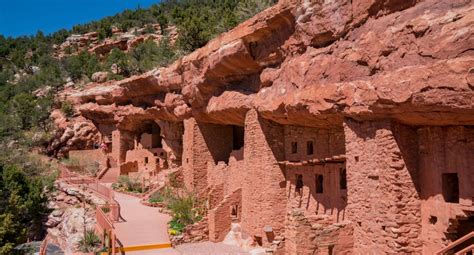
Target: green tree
(122, 61)
(148, 55)
(22, 206)
(82, 64)
(248, 8)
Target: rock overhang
(376, 67)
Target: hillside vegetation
(31, 76)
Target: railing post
(113, 241)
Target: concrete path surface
(203, 248)
(142, 225)
(145, 225)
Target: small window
(330, 249)
(342, 178)
(451, 187)
(294, 147)
(309, 148)
(299, 183)
(319, 183)
(233, 212)
(146, 160)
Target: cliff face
(313, 63)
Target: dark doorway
(342, 178)
(450, 187)
(294, 147)
(319, 179)
(309, 148)
(299, 183)
(237, 137)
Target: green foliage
(148, 55)
(89, 242)
(248, 8)
(122, 62)
(82, 64)
(128, 184)
(175, 225)
(22, 206)
(67, 108)
(186, 208)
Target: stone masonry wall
(444, 150)
(383, 200)
(203, 143)
(332, 201)
(263, 192)
(220, 218)
(172, 133)
(326, 142)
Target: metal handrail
(456, 243)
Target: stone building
(318, 135)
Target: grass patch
(125, 183)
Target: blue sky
(26, 17)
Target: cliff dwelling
(314, 135)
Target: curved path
(142, 225)
(145, 225)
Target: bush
(122, 61)
(148, 55)
(105, 208)
(185, 209)
(82, 64)
(89, 242)
(128, 184)
(67, 108)
(248, 8)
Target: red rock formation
(322, 88)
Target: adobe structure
(327, 127)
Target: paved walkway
(143, 225)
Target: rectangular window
(450, 187)
(299, 183)
(319, 179)
(294, 147)
(309, 148)
(342, 178)
(146, 160)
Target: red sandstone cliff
(314, 63)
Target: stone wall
(172, 134)
(147, 161)
(317, 234)
(332, 201)
(383, 200)
(445, 150)
(264, 195)
(220, 217)
(204, 144)
(122, 141)
(324, 142)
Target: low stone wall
(197, 232)
(220, 218)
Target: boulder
(100, 77)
